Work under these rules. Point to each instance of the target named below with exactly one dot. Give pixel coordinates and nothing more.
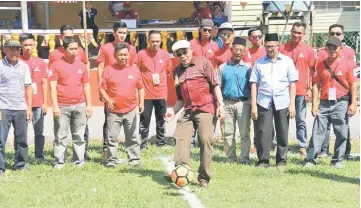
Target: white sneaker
(79, 164)
(59, 166)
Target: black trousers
(105, 126)
(264, 128)
(160, 108)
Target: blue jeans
(301, 130)
(38, 125)
(335, 114)
(18, 119)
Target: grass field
(232, 185)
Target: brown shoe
(302, 151)
(203, 183)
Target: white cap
(180, 44)
(226, 25)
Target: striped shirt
(12, 82)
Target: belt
(237, 99)
(343, 98)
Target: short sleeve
(27, 80)
(316, 74)
(292, 72)
(104, 80)
(85, 77)
(101, 55)
(254, 77)
(168, 63)
(352, 73)
(139, 84)
(54, 76)
(95, 11)
(43, 69)
(80, 15)
(210, 74)
(133, 56)
(51, 58)
(311, 57)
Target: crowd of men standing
(268, 83)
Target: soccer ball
(182, 175)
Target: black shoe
(160, 144)
(143, 146)
(349, 157)
(262, 164)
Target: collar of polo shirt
(231, 62)
(6, 62)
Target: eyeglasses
(337, 34)
(257, 37)
(180, 53)
(225, 35)
(207, 30)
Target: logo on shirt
(301, 55)
(210, 51)
(339, 73)
(130, 76)
(160, 61)
(80, 71)
(36, 69)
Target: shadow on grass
(156, 175)
(330, 176)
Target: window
(336, 6)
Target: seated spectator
(217, 11)
(127, 12)
(201, 13)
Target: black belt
(343, 98)
(237, 99)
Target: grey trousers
(130, 123)
(237, 112)
(73, 117)
(334, 113)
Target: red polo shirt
(195, 85)
(343, 70)
(71, 78)
(223, 55)
(206, 49)
(346, 52)
(304, 58)
(132, 14)
(203, 13)
(106, 55)
(38, 72)
(253, 54)
(120, 84)
(159, 64)
(60, 53)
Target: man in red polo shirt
(226, 32)
(155, 65)
(106, 58)
(336, 30)
(204, 45)
(304, 59)
(127, 12)
(59, 53)
(198, 92)
(118, 88)
(255, 37)
(201, 12)
(70, 93)
(337, 81)
(38, 71)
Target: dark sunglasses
(181, 53)
(257, 37)
(207, 30)
(225, 35)
(337, 34)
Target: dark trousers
(105, 127)
(264, 130)
(160, 108)
(325, 145)
(18, 119)
(86, 138)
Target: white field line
(187, 194)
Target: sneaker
(302, 151)
(349, 157)
(260, 164)
(119, 161)
(203, 183)
(322, 155)
(337, 165)
(309, 165)
(59, 166)
(79, 164)
(111, 165)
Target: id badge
(34, 87)
(156, 79)
(332, 94)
